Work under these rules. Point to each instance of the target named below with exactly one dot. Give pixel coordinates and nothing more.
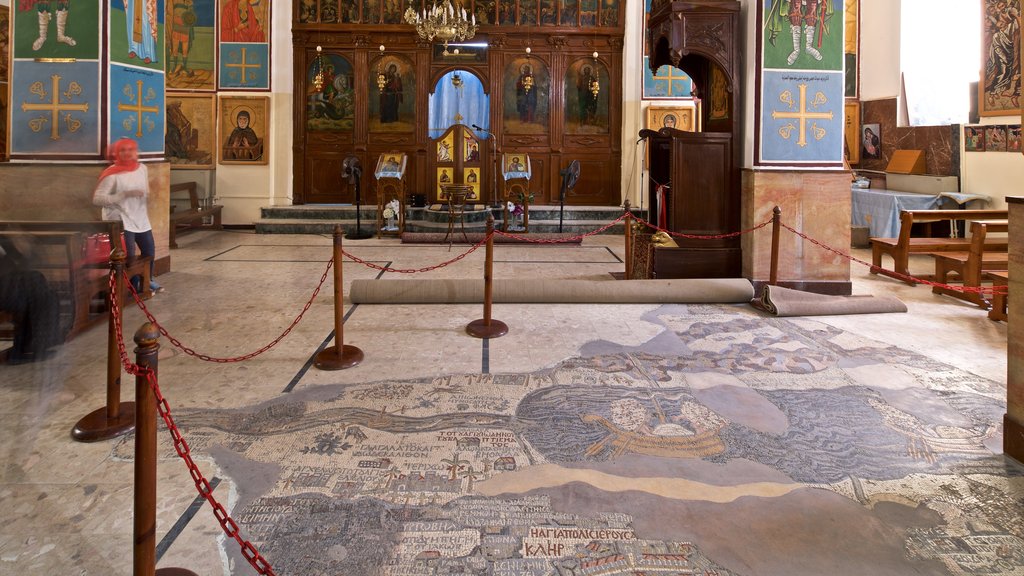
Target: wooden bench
(82, 287)
(900, 249)
(969, 265)
(194, 216)
(998, 278)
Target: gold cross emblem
(244, 65)
(55, 107)
(802, 115)
(137, 108)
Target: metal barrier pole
(341, 355)
(773, 276)
(486, 327)
(116, 418)
(144, 532)
(629, 241)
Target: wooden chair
(969, 265)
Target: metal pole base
(175, 572)
(358, 235)
(95, 426)
(480, 328)
(329, 359)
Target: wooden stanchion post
(144, 533)
(486, 327)
(629, 241)
(116, 418)
(773, 276)
(341, 355)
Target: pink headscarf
(120, 165)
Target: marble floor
(67, 506)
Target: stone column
(1013, 421)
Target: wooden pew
(998, 278)
(59, 253)
(193, 216)
(900, 249)
(969, 265)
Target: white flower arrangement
(389, 213)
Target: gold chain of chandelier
(444, 22)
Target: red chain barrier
(369, 264)
(227, 524)
(703, 236)
(906, 278)
(207, 358)
(561, 240)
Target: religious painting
(308, 12)
(55, 109)
(191, 139)
(567, 11)
(974, 138)
(1013, 143)
(332, 107)
(392, 95)
(802, 36)
(191, 55)
(678, 118)
(668, 82)
(393, 12)
(586, 97)
(472, 178)
(1001, 53)
(244, 129)
(995, 138)
(719, 96)
(136, 33)
(588, 13)
(871, 141)
(444, 177)
(610, 13)
(548, 13)
(516, 165)
(507, 12)
(470, 148)
(801, 118)
(527, 12)
(371, 11)
(5, 41)
(56, 30)
(245, 21)
(390, 165)
(244, 66)
(851, 48)
(484, 12)
(852, 131)
(527, 85)
(137, 107)
(446, 148)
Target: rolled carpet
(788, 302)
(551, 291)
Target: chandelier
(444, 22)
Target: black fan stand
(358, 233)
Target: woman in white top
(122, 192)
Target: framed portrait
(191, 52)
(999, 88)
(974, 138)
(871, 141)
(390, 165)
(515, 165)
(852, 131)
(679, 118)
(995, 138)
(472, 178)
(5, 41)
(244, 127)
(1013, 143)
(444, 177)
(190, 140)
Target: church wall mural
(801, 81)
(191, 130)
(1001, 52)
(137, 33)
(56, 29)
(137, 107)
(586, 105)
(244, 129)
(332, 108)
(392, 104)
(191, 55)
(244, 50)
(527, 109)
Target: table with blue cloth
(879, 210)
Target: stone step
(294, 226)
